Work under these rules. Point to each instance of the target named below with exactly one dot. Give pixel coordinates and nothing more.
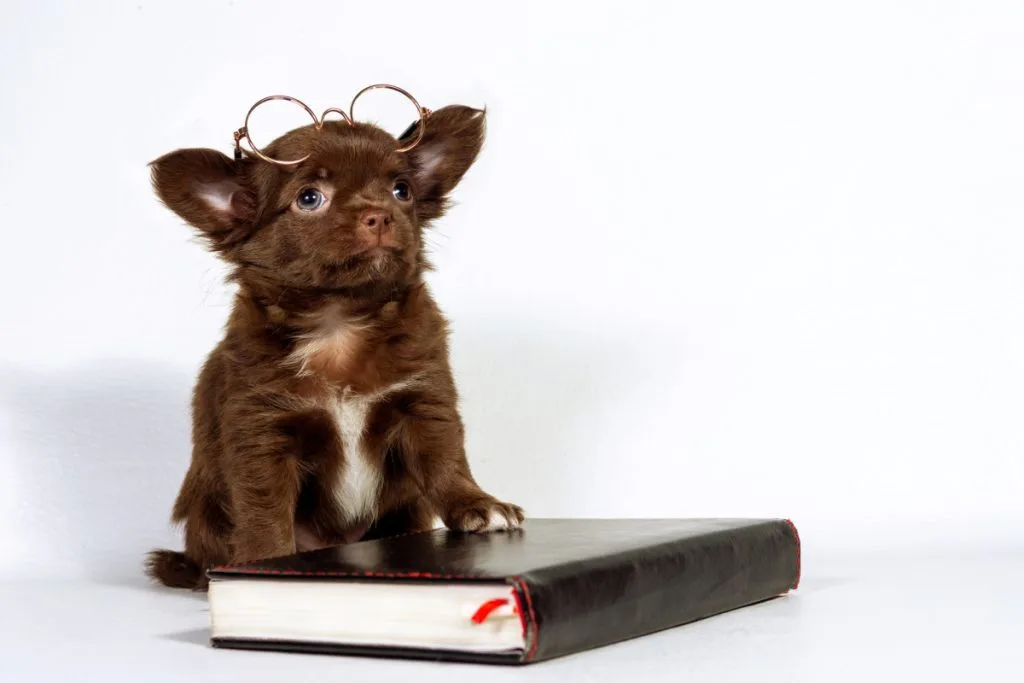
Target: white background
(740, 259)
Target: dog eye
(310, 199)
(402, 191)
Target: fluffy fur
(327, 413)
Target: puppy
(327, 413)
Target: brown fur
(265, 449)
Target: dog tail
(173, 569)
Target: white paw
(499, 521)
(483, 516)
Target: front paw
(483, 514)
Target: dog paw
(484, 515)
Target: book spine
(581, 606)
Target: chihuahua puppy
(327, 413)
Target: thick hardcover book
(553, 588)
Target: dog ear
(452, 139)
(208, 190)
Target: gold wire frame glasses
(243, 132)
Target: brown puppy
(327, 413)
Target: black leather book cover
(579, 583)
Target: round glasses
(318, 122)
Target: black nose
(376, 221)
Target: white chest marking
(357, 488)
(358, 484)
(333, 343)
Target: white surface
(866, 618)
(744, 259)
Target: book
(555, 587)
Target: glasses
(243, 132)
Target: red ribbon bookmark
(485, 610)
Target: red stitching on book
(533, 617)
(520, 611)
(799, 569)
(386, 575)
